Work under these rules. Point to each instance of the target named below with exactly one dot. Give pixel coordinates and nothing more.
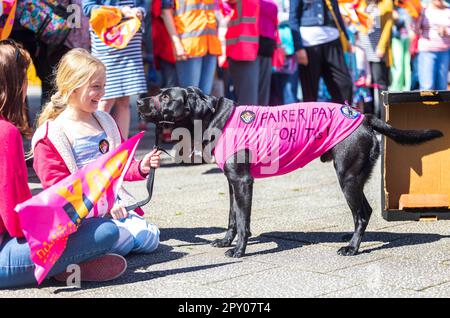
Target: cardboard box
(416, 179)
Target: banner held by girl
(50, 217)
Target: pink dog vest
(284, 138)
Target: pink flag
(50, 217)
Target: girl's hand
(152, 159)
(118, 212)
(127, 12)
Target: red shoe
(101, 269)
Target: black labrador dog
(354, 158)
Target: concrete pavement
(297, 224)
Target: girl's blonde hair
(74, 70)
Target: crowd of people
(259, 52)
(256, 52)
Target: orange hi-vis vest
(196, 24)
(242, 36)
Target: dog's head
(174, 104)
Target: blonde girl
(89, 246)
(72, 132)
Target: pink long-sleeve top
(268, 20)
(13, 178)
(434, 30)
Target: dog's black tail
(405, 137)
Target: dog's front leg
(241, 183)
(231, 232)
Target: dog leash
(151, 176)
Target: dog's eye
(165, 98)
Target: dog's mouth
(148, 111)
(155, 117)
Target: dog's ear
(199, 103)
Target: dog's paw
(347, 251)
(233, 253)
(221, 243)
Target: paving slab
(394, 271)
(158, 289)
(371, 291)
(287, 282)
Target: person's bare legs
(106, 104)
(122, 115)
(121, 112)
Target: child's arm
(13, 180)
(133, 173)
(48, 164)
(169, 23)
(150, 160)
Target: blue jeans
(198, 72)
(95, 237)
(433, 69)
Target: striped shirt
(369, 41)
(434, 30)
(124, 67)
(87, 148)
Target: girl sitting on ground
(73, 132)
(89, 246)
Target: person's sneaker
(101, 269)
